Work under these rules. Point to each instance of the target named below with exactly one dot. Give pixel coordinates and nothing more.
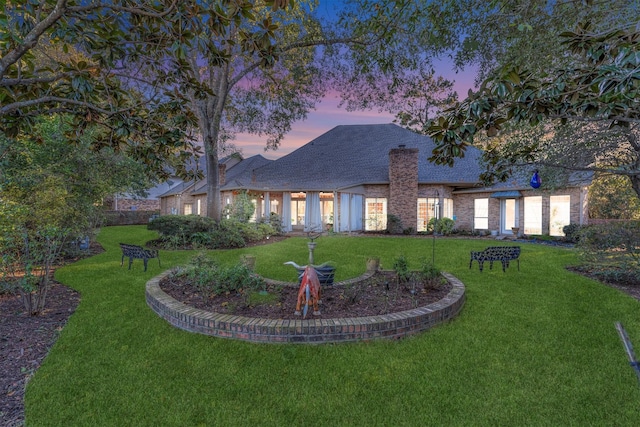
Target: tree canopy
(64, 57)
(588, 114)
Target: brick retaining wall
(394, 325)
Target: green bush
(430, 275)
(276, 223)
(394, 225)
(204, 274)
(612, 250)
(192, 231)
(572, 232)
(181, 225)
(401, 267)
(442, 226)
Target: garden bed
(379, 294)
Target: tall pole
(436, 204)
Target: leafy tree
(50, 193)
(63, 56)
(245, 67)
(547, 96)
(611, 197)
(591, 110)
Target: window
(326, 210)
(376, 214)
(481, 214)
(426, 211)
(533, 215)
(298, 205)
(188, 208)
(275, 206)
(560, 207)
(427, 208)
(447, 208)
(198, 207)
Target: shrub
(249, 231)
(442, 226)
(612, 249)
(572, 232)
(276, 223)
(401, 267)
(430, 275)
(181, 225)
(204, 274)
(241, 209)
(227, 234)
(394, 225)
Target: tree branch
(32, 37)
(9, 108)
(36, 80)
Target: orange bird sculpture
(309, 292)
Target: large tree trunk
(214, 209)
(210, 119)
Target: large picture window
(376, 214)
(298, 206)
(481, 214)
(533, 215)
(427, 208)
(426, 211)
(560, 207)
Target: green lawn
(531, 347)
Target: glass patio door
(508, 215)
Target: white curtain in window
(312, 214)
(286, 212)
(356, 212)
(266, 204)
(344, 211)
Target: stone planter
(373, 264)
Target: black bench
(325, 275)
(504, 254)
(138, 252)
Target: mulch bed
(25, 341)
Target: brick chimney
(222, 174)
(403, 185)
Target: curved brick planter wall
(394, 325)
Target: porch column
(286, 211)
(267, 207)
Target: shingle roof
(180, 188)
(351, 155)
(245, 166)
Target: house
(352, 177)
(191, 197)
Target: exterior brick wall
(136, 205)
(305, 331)
(403, 185)
(381, 191)
(463, 207)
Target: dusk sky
(327, 115)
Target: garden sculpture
(309, 291)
